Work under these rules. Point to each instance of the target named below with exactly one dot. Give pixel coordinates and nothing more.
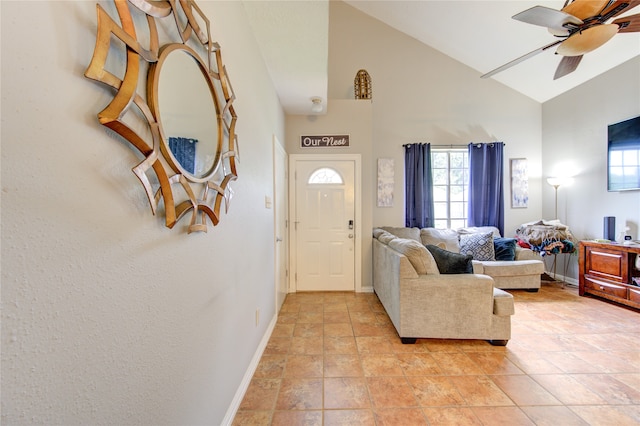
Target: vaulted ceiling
(293, 36)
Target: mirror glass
(187, 114)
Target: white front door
(324, 225)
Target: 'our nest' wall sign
(324, 141)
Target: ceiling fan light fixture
(583, 9)
(587, 40)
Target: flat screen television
(623, 155)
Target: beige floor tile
(523, 390)
(400, 416)
(608, 414)
(290, 418)
(553, 416)
(346, 392)
(568, 390)
(391, 392)
(307, 345)
(342, 365)
(511, 416)
(299, 394)
(261, 394)
(435, 391)
(463, 416)
(480, 391)
(304, 366)
(418, 364)
(340, 345)
(456, 364)
(348, 418)
(338, 329)
(381, 365)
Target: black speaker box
(609, 228)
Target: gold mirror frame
(180, 192)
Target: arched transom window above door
(325, 175)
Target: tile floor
(335, 359)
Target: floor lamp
(556, 182)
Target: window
(325, 175)
(450, 170)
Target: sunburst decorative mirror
(172, 102)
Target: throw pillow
(480, 246)
(505, 248)
(435, 236)
(417, 254)
(449, 262)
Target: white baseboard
(246, 380)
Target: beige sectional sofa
(521, 273)
(423, 303)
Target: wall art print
(519, 183)
(385, 182)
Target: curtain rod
(452, 146)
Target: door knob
(350, 235)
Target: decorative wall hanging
(386, 172)
(362, 85)
(182, 120)
(519, 183)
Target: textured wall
(421, 95)
(109, 317)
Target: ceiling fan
(580, 26)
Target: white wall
(109, 317)
(575, 144)
(421, 95)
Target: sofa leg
(498, 342)
(408, 340)
(532, 290)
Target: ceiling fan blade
(628, 24)
(617, 7)
(520, 59)
(567, 65)
(547, 17)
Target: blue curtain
(184, 150)
(418, 186)
(486, 193)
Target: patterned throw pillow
(480, 246)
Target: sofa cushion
(377, 232)
(436, 236)
(505, 248)
(480, 230)
(417, 254)
(504, 268)
(385, 237)
(502, 303)
(479, 246)
(408, 233)
(449, 262)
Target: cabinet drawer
(612, 265)
(605, 287)
(634, 294)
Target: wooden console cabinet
(607, 271)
